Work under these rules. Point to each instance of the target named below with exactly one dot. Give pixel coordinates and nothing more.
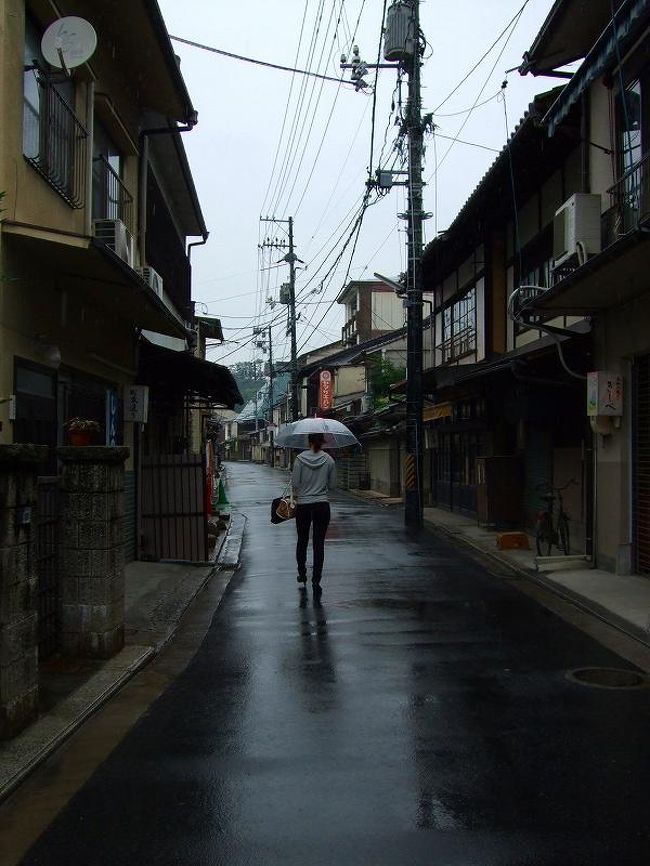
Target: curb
(592, 608)
(228, 559)
(69, 728)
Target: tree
(249, 376)
(382, 373)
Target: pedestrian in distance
(312, 478)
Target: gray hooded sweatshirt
(314, 474)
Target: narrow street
(419, 714)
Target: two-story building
(98, 208)
(504, 396)
(601, 253)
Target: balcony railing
(55, 143)
(459, 344)
(629, 200)
(111, 198)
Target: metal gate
(173, 510)
(47, 533)
(641, 458)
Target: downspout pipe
(196, 244)
(145, 135)
(90, 126)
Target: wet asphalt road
(419, 715)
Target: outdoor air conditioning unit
(152, 279)
(115, 235)
(576, 230)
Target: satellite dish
(69, 42)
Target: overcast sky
(317, 135)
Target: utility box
(499, 491)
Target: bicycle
(549, 535)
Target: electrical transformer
(399, 38)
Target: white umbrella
(295, 435)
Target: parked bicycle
(552, 528)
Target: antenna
(69, 42)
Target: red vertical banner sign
(325, 392)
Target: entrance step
(562, 563)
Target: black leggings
(319, 514)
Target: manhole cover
(609, 678)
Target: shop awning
(181, 371)
(440, 410)
(630, 21)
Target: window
(459, 327)
(54, 141)
(629, 124)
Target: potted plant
(80, 430)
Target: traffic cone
(222, 499)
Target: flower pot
(79, 437)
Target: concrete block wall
(92, 551)
(19, 465)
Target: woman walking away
(313, 476)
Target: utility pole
(402, 47)
(288, 297)
(261, 345)
(414, 444)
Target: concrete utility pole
(257, 332)
(414, 444)
(402, 46)
(288, 297)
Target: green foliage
(382, 374)
(249, 376)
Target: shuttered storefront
(641, 477)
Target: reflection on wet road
(418, 713)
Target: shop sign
(112, 410)
(604, 394)
(136, 403)
(325, 391)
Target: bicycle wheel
(563, 535)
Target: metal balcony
(55, 143)
(111, 198)
(629, 201)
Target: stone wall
(18, 586)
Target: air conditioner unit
(576, 230)
(115, 235)
(152, 279)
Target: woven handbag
(283, 507)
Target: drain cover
(609, 678)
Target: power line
(286, 159)
(286, 108)
(257, 62)
(482, 58)
(512, 25)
